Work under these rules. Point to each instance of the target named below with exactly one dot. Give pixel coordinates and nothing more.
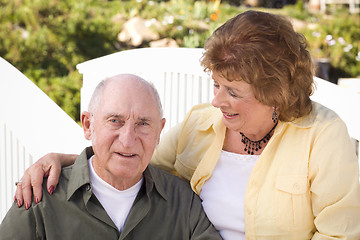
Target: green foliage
(46, 39)
(337, 37)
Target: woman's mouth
(230, 115)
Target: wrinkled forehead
(132, 97)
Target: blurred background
(46, 39)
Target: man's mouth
(127, 154)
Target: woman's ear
(86, 123)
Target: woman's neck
(240, 143)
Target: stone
(136, 31)
(165, 42)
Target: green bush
(46, 39)
(337, 37)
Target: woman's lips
(230, 115)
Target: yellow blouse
(305, 184)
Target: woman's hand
(48, 166)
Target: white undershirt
(223, 194)
(117, 204)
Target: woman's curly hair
(263, 50)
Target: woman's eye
(232, 94)
(216, 85)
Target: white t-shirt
(223, 195)
(116, 203)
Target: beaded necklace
(251, 146)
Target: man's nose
(127, 135)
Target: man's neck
(119, 183)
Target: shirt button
(249, 212)
(87, 187)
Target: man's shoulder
(169, 182)
(161, 175)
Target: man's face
(125, 130)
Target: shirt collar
(212, 119)
(152, 178)
(308, 120)
(80, 176)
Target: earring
(275, 115)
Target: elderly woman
(267, 162)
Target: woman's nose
(219, 98)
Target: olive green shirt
(165, 208)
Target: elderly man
(111, 191)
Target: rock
(136, 31)
(299, 24)
(200, 25)
(118, 18)
(165, 42)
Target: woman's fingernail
(26, 206)
(51, 189)
(19, 203)
(36, 200)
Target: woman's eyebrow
(232, 89)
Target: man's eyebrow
(144, 119)
(117, 115)
(121, 116)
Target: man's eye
(115, 122)
(144, 124)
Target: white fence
(354, 5)
(175, 72)
(32, 125)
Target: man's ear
(86, 123)
(162, 124)
(163, 121)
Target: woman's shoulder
(319, 116)
(203, 115)
(322, 113)
(204, 111)
(204, 108)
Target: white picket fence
(354, 5)
(31, 124)
(175, 72)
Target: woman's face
(242, 112)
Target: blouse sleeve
(165, 153)
(335, 188)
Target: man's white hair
(98, 92)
